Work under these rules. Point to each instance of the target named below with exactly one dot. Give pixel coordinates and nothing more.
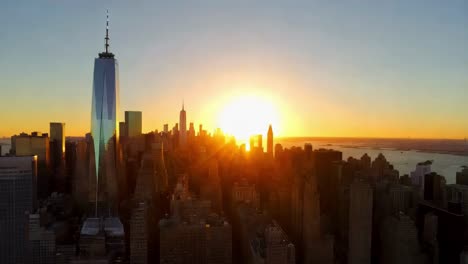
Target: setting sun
(245, 116)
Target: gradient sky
(332, 68)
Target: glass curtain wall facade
(105, 131)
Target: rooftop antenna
(107, 31)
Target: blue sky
(339, 68)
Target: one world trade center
(105, 131)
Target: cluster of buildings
(185, 196)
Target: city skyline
(309, 68)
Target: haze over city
(311, 68)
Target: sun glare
(245, 116)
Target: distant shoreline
(458, 147)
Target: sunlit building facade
(133, 121)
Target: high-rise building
(104, 126)
(360, 223)
(260, 142)
(133, 122)
(244, 192)
(434, 187)
(30, 145)
(462, 176)
(458, 194)
(17, 198)
(275, 247)
(191, 132)
(401, 198)
(210, 188)
(57, 139)
(270, 141)
(102, 238)
(139, 234)
(417, 176)
(122, 130)
(166, 128)
(183, 127)
(41, 242)
(204, 241)
(35, 144)
(200, 130)
(400, 241)
(57, 157)
(325, 161)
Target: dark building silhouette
(270, 141)
(462, 176)
(434, 188)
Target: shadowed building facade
(17, 196)
(360, 222)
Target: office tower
(417, 176)
(162, 181)
(81, 179)
(366, 161)
(17, 198)
(35, 144)
(183, 127)
(278, 150)
(270, 141)
(166, 128)
(457, 195)
(57, 157)
(360, 222)
(400, 241)
(123, 130)
(244, 192)
(272, 246)
(260, 142)
(139, 234)
(261, 238)
(434, 187)
(314, 247)
(401, 198)
(202, 241)
(325, 161)
(41, 242)
(30, 145)
(104, 127)
(210, 188)
(133, 121)
(200, 130)
(191, 133)
(102, 238)
(57, 140)
(462, 176)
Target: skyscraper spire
(106, 53)
(107, 32)
(182, 104)
(270, 141)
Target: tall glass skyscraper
(105, 127)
